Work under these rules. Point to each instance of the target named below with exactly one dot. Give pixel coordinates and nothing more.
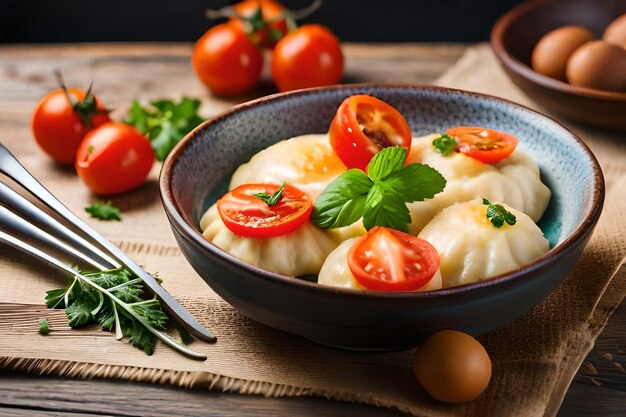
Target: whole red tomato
(227, 61)
(310, 56)
(62, 119)
(114, 158)
(266, 28)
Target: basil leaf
(415, 182)
(386, 161)
(383, 207)
(339, 204)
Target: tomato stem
(62, 86)
(304, 12)
(85, 109)
(256, 21)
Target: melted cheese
(306, 162)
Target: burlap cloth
(534, 358)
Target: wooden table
(149, 71)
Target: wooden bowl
(515, 35)
(199, 168)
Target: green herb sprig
(445, 144)
(114, 299)
(165, 122)
(380, 196)
(104, 211)
(44, 327)
(498, 214)
(271, 199)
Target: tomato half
(362, 126)
(388, 260)
(59, 128)
(485, 145)
(249, 216)
(114, 158)
(268, 28)
(227, 61)
(309, 56)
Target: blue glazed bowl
(198, 169)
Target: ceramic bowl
(515, 35)
(197, 172)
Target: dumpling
(301, 252)
(472, 249)
(514, 181)
(307, 162)
(336, 272)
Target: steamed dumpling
(301, 252)
(306, 162)
(514, 181)
(472, 249)
(336, 272)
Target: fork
(86, 243)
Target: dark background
(184, 20)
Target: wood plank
(55, 395)
(586, 398)
(15, 412)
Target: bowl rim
(511, 62)
(172, 208)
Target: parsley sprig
(271, 199)
(380, 196)
(165, 122)
(113, 299)
(445, 144)
(44, 326)
(498, 214)
(104, 211)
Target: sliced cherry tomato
(388, 260)
(61, 121)
(268, 27)
(114, 158)
(249, 216)
(227, 61)
(485, 145)
(363, 125)
(309, 56)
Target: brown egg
(554, 49)
(599, 65)
(615, 32)
(452, 366)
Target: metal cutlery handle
(15, 202)
(10, 166)
(25, 247)
(11, 221)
